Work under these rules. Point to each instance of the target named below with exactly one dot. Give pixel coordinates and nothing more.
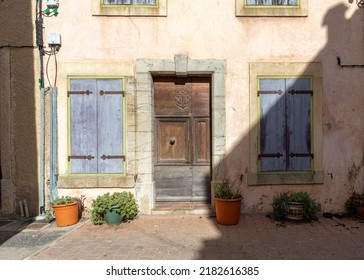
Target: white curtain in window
(130, 2)
(271, 2)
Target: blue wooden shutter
(83, 134)
(299, 124)
(110, 126)
(272, 125)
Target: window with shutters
(272, 2)
(131, 2)
(274, 8)
(285, 136)
(153, 8)
(285, 124)
(96, 126)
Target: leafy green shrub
(225, 191)
(128, 207)
(353, 201)
(279, 205)
(280, 202)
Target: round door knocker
(172, 141)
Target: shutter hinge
(89, 157)
(102, 92)
(279, 92)
(276, 155)
(113, 157)
(87, 92)
(300, 155)
(301, 92)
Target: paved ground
(256, 237)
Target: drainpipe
(53, 144)
(39, 41)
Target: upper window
(272, 2)
(131, 2)
(271, 8)
(285, 124)
(129, 8)
(96, 123)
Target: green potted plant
(297, 206)
(355, 205)
(114, 208)
(228, 200)
(66, 209)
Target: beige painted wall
(210, 30)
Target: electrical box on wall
(52, 3)
(54, 39)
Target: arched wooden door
(182, 164)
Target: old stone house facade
(164, 98)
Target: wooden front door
(182, 136)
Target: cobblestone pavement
(256, 237)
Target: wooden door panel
(202, 141)
(200, 98)
(174, 183)
(172, 140)
(172, 99)
(201, 180)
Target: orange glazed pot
(66, 214)
(227, 211)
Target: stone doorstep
(36, 226)
(5, 222)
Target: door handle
(172, 141)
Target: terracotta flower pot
(360, 211)
(66, 214)
(227, 211)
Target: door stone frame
(181, 66)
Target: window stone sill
(93, 182)
(286, 179)
(152, 11)
(241, 10)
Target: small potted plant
(228, 200)
(355, 205)
(297, 206)
(114, 208)
(66, 209)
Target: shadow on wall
(18, 154)
(285, 133)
